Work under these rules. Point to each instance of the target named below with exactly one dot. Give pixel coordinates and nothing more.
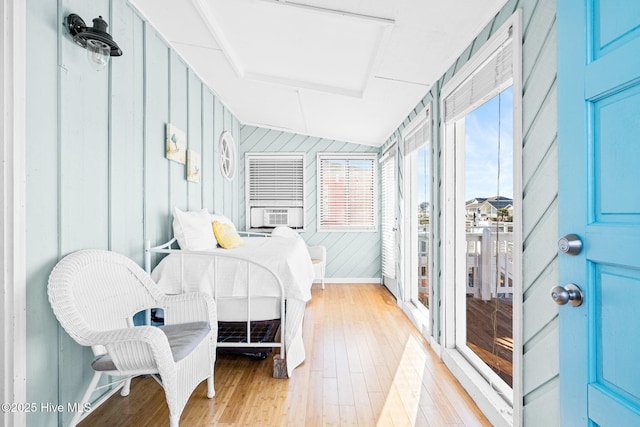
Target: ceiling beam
(303, 84)
(212, 24)
(335, 12)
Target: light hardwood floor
(366, 366)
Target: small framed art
(193, 166)
(176, 144)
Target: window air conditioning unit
(276, 216)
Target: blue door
(599, 201)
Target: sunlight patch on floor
(402, 404)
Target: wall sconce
(99, 44)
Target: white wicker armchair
(95, 293)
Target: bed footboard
(279, 360)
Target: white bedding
(225, 277)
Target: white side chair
(319, 259)
(94, 295)
(318, 254)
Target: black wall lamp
(99, 44)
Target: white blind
(488, 80)
(388, 223)
(275, 179)
(417, 134)
(346, 192)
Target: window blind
(346, 192)
(275, 179)
(417, 134)
(388, 223)
(487, 81)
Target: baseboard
(352, 280)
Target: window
(481, 106)
(347, 191)
(275, 190)
(227, 155)
(417, 212)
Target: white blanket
(225, 277)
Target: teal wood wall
(97, 176)
(540, 376)
(350, 255)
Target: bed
(276, 273)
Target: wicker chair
(95, 293)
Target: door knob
(568, 294)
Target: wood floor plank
(366, 366)
(364, 411)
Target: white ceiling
(349, 70)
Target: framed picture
(176, 144)
(193, 166)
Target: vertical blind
(388, 224)
(275, 179)
(346, 192)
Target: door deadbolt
(570, 244)
(568, 294)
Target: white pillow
(193, 229)
(223, 219)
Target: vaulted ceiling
(349, 70)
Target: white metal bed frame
(279, 361)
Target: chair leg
(323, 283)
(86, 398)
(174, 421)
(210, 390)
(126, 388)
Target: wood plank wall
(350, 255)
(540, 376)
(97, 175)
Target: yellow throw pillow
(226, 236)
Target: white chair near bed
(318, 254)
(319, 259)
(95, 294)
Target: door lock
(568, 294)
(570, 244)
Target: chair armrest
(136, 348)
(317, 252)
(189, 307)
